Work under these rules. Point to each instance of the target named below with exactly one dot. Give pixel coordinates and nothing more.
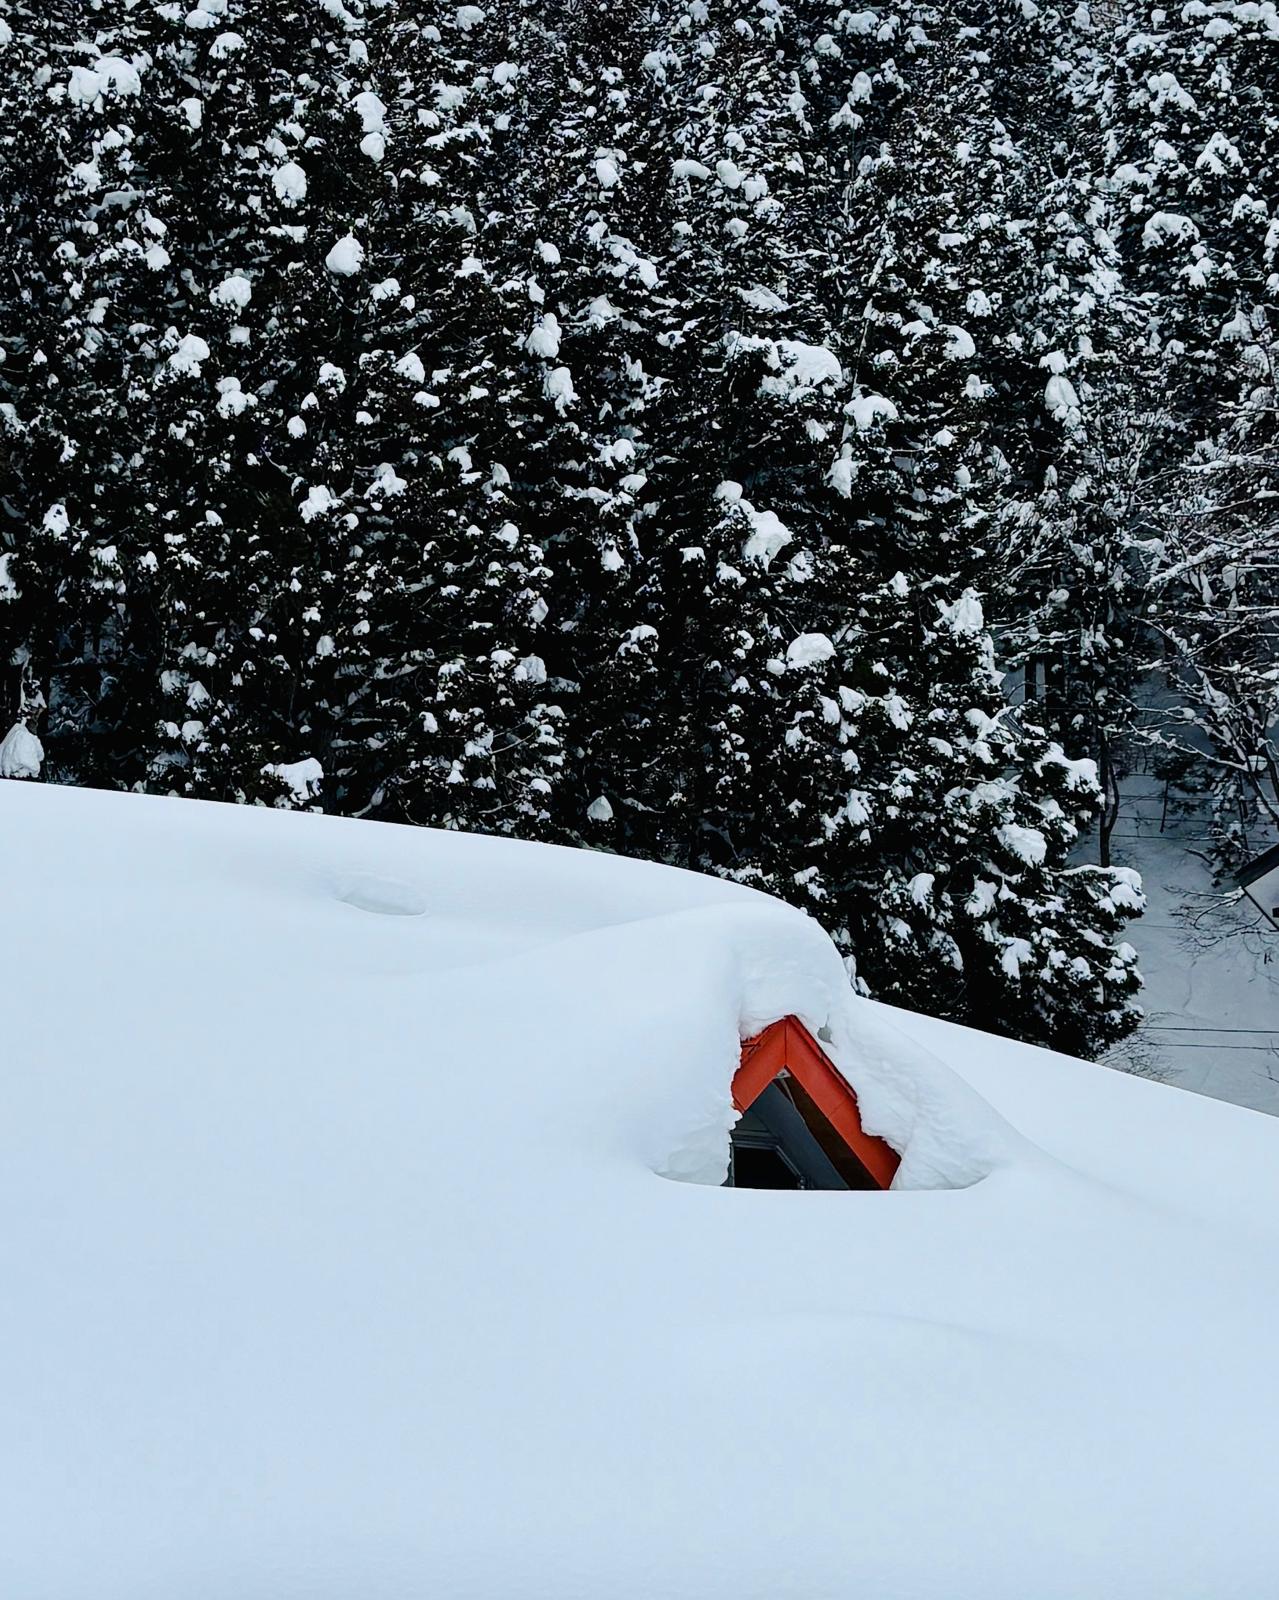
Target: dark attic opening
(784, 1142)
(800, 1127)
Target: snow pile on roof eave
(947, 1136)
(783, 964)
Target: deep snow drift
(339, 1263)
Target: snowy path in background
(1212, 995)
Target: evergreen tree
(837, 455)
(1193, 145)
(590, 425)
(84, 252)
(1069, 594)
(933, 831)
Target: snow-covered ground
(1212, 974)
(341, 1255)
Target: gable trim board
(787, 1046)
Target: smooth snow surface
(338, 1265)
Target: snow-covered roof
(340, 1256)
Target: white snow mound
(338, 1259)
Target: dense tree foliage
(767, 436)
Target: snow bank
(338, 1258)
